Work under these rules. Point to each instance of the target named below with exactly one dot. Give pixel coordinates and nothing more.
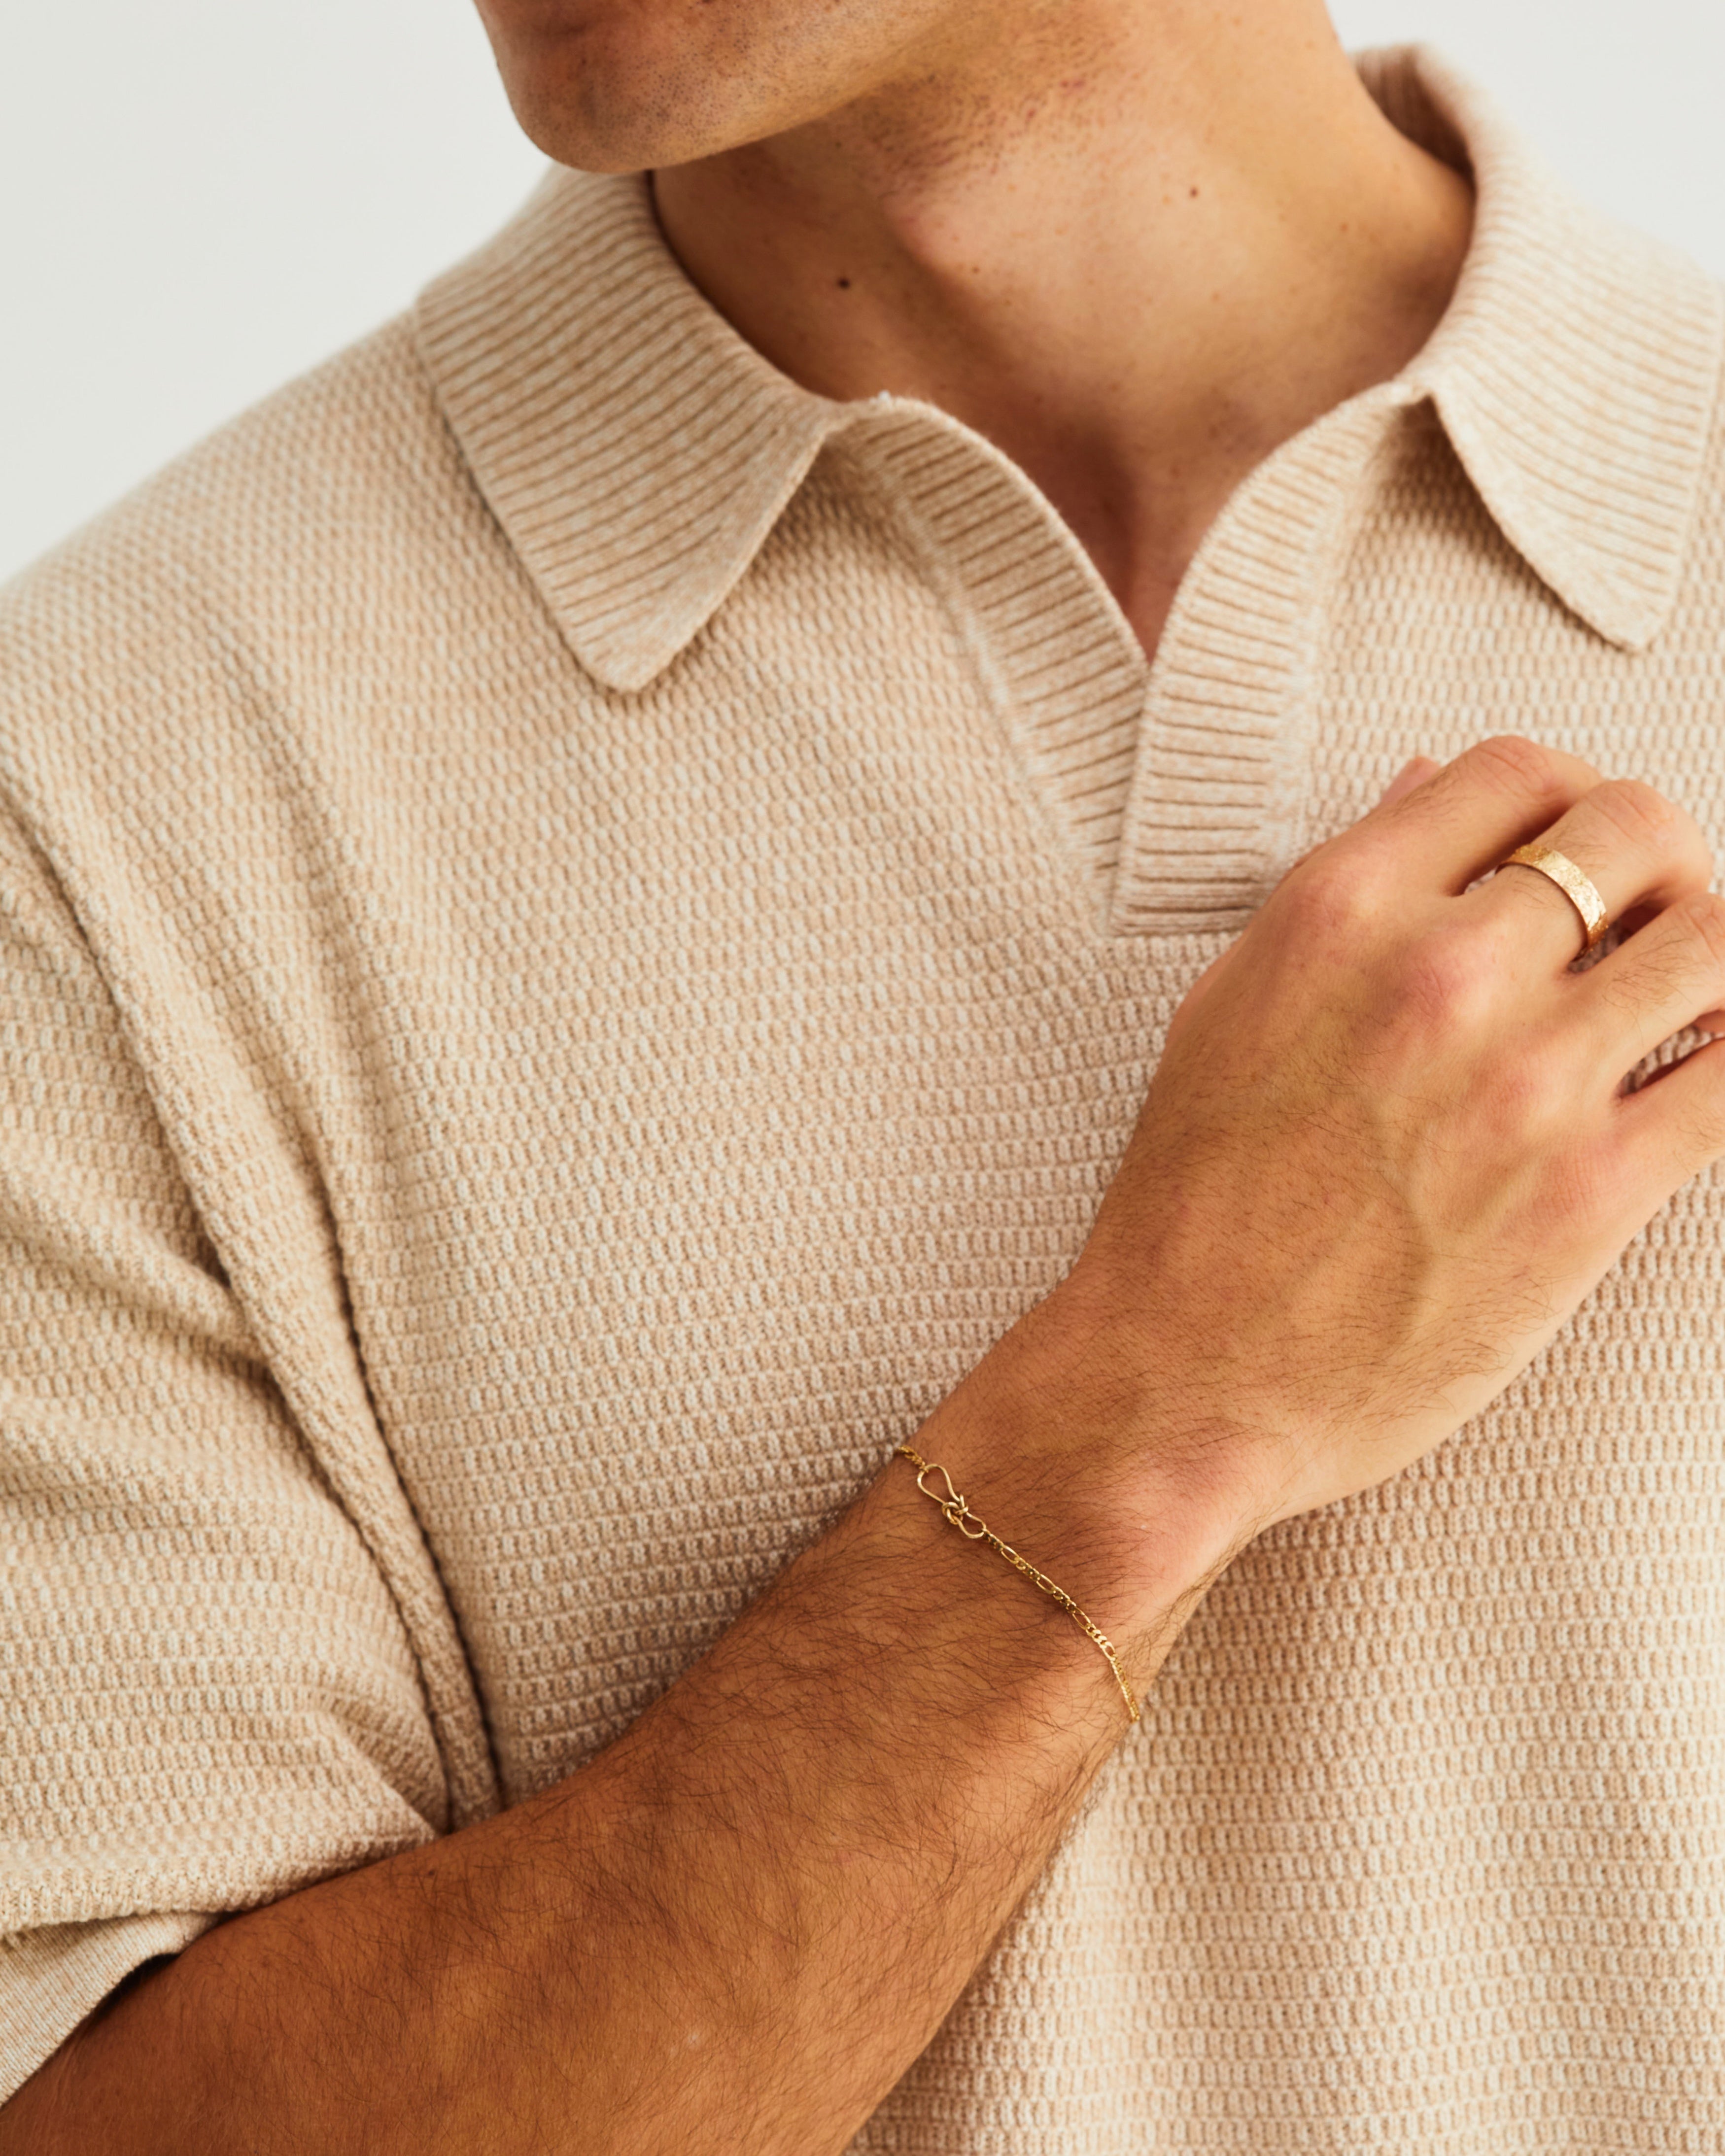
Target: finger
(1671, 975)
(1637, 850)
(1414, 773)
(1464, 819)
(1672, 1126)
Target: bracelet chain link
(958, 1514)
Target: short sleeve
(207, 1693)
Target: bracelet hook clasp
(955, 1508)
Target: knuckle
(1519, 766)
(1704, 914)
(1639, 813)
(1333, 894)
(1533, 1088)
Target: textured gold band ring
(1580, 889)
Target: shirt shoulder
(259, 549)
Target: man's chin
(608, 88)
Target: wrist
(1063, 1446)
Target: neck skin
(1136, 243)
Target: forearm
(738, 1926)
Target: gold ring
(1580, 889)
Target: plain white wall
(200, 198)
(1622, 95)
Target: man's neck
(1137, 244)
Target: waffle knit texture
(582, 930)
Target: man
(591, 897)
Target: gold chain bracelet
(959, 1515)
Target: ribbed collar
(637, 452)
(1575, 371)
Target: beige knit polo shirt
(582, 930)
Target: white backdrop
(198, 198)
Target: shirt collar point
(1577, 371)
(628, 632)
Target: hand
(1388, 1148)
